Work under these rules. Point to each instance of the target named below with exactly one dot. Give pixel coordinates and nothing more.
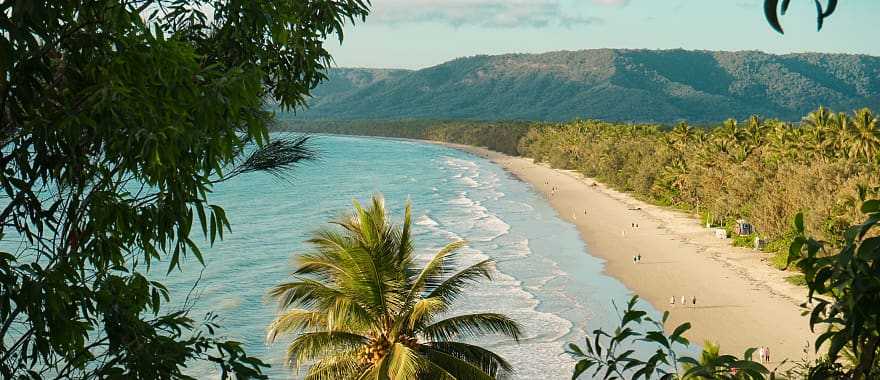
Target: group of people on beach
(683, 300)
(623, 232)
(763, 351)
(764, 354)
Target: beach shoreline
(741, 300)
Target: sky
(414, 34)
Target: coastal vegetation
(762, 170)
(118, 119)
(611, 355)
(360, 307)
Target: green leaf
(794, 251)
(871, 206)
(203, 220)
(581, 367)
(770, 13)
(575, 350)
(676, 334)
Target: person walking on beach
(767, 354)
(672, 300)
(684, 301)
(639, 257)
(694, 301)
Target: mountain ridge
(611, 84)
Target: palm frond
(452, 287)
(295, 321)
(435, 372)
(324, 266)
(456, 367)
(472, 325)
(405, 243)
(488, 361)
(304, 293)
(338, 367)
(310, 347)
(277, 157)
(402, 363)
(433, 272)
(423, 311)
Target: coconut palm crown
(360, 308)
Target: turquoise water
(546, 278)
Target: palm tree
(780, 142)
(830, 131)
(820, 118)
(360, 308)
(839, 135)
(680, 136)
(865, 135)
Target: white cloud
(484, 13)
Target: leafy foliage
(734, 170)
(601, 356)
(360, 307)
(844, 287)
(771, 7)
(118, 117)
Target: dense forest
(609, 84)
(762, 170)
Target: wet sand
(742, 301)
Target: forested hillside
(607, 84)
(342, 83)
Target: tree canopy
(360, 307)
(118, 118)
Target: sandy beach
(742, 301)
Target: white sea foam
(461, 200)
(425, 220)
(469, 182)
(520, 248)
(493, 226)
(495, 216)
(544, 331)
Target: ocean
(546, 278)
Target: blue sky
(420, 33)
